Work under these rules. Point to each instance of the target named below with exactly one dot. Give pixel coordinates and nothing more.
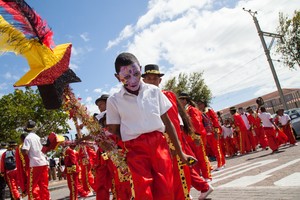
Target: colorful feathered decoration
(28, 35)
(28, 21)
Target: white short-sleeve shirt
(284, 119)
(265, 119)
(32, 144)
(137, 114)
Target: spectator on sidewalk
(52, 165)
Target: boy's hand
(187, 159)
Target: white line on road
(292, 180)
(239, 171)
(249, 180)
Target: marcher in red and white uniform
(242, 131)
(251, 137)
(269, 128)
(285, 124)
(151, 168)
(11, 173)
(37, 182)
(256, 125)
(181, 173)
(214, 131)
(197, 141)
(22, 162)
(230, 145)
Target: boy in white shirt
(284, 123)
(138, 114)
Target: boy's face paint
(130, 76)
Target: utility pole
(267, 52)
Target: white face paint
(130, 76)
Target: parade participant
(285, 124)
(281, 137)
(230, 145)
(2, 179)
(22, 162)
(72, 171)
(251, 137)
(182, 183)
(8, 168)
(37, 182)
(147, 152)
(242, 131)
(188, 133)
(213, 129)
(269, 128)
(256, 126)
(101, 102)
(197, 141)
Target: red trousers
(149, 161)
(203, 163)
(281, 137)
(103, 178)
(271, 135)
(244, 143)
(216, 149)
(230, 146)
(252, 139)
(11, 177)
(87, 177)
(38, 183)
(287, 129)
(261, 136)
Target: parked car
(295, 120)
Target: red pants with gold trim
(216, 149)
(261, 136)
(203, 163)
(11, 177)
(281, 137)
(271, 135)
(72, 180)
(148, 158)
(252, 140)
(287, 129)
(103, 178)
(87, 178)
(38, 183)
(196, 180)
(230, 146)
(244, 143)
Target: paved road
(259, 175)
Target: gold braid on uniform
(180, 168)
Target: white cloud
(9, 76)
(98, 90)
(85, 36)
(219, 39)
(73, 66)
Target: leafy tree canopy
(192, 83)
(18, 107)
(290, 47)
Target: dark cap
(183, 95)
(12, 143)
(30, 125)
(152, 69)
(232, 108)
(103, 97)
(248, 109)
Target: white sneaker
(203, 195)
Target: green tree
(192, 83)
(18, 107)
(289, 48)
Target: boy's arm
(114, 129)
(174, 139)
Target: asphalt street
(258, 175)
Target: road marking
(292, 180)
(243, 169)
(250, 180)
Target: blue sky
(212, 36)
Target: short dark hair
(125, 59)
